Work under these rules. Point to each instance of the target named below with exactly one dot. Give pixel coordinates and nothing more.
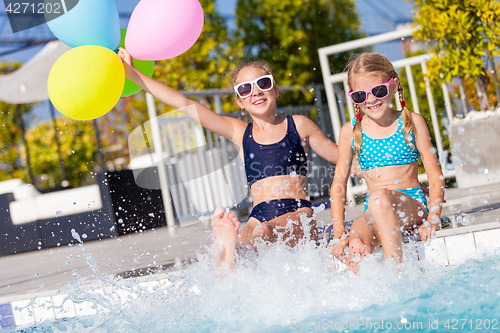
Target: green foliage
(462, 34)
(78, 150)
(10, 143)
(471, 94)
(288, 33)
(11, 166)
(463, 31)
(116, 126)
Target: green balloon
(146, 67)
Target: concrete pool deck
(474, 218)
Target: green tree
(116, 125)
(288, 33)
(471, 96)
(464, 34)
(78, 150)
(11, 134)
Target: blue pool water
(287, 290)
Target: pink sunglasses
(379, 91)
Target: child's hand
(427, 230)
(338, 249)
(127, 61)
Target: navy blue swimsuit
(286, 157)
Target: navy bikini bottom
(269, 210)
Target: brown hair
(368, 62)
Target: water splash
(282, 287)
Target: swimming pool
(287, 290)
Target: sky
(376, 17)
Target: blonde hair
(259, 64)
(369, 62)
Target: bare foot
(225, 228)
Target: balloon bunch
(88, 80)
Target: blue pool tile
(6, 318)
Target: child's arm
(338, 190)
(321, 145)
(426, 191)
(434, 175)
(226, 126)
(356, 170)
(316, 139)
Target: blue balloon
(90, 22)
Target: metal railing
(339, 104)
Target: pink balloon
(163, 29)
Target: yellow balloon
(86, 82)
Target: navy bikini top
(286, 157)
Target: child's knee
(356, 245)
(379, 200)
(262, 230)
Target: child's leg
(246, 233)
(393, 212)
(277, 228)
(225, 228)
(362, 240)
(288, 226)
(292, 232)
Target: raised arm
(339, 188)
(228, 127)
(434, 175)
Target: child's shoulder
(347, 129)
(300, 119)
(418, 120)
(303, 122)
(417, 116)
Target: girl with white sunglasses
(387, 144)
(274, 150)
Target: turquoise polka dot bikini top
(393, 150)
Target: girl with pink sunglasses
(274, 150)
(387, 144)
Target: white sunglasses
(245, 89)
